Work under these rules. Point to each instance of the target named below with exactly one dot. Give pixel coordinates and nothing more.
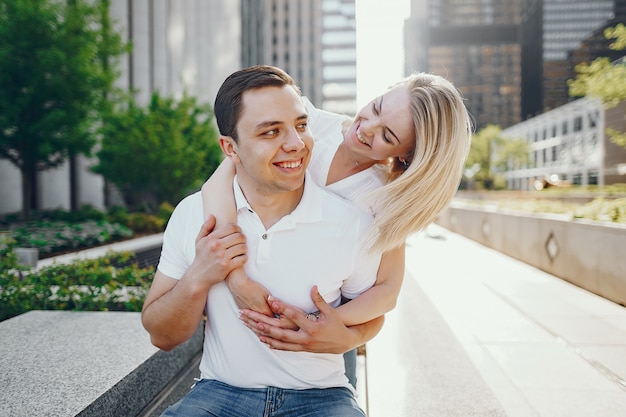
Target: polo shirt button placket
(264, 248)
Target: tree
(512, 154)
(56, 73)
(480, 159)
(604, 80)
(158, 153)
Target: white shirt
(317, 244)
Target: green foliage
(512, 154)
(619, 34)
(158, 153)
(600, 79)
(603, 210)
(599, 209)
(8, 259)
(55, 236)
(165, 212)
(603, 80)
(117, 214)
(617, 137)
(56, 74)
(113, 282)
(144, 222)
(480, 161)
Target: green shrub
(603, 210)
(599, 209)
(165, 212)
(117, 214)
(144, 222)
(54, 236)
(86, 285)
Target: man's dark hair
(228, 100)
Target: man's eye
(272, 132)
(302, 126)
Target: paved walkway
(477, 333)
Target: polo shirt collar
(309, 210)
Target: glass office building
(573, 32)
(489, 49)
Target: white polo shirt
(317, 244)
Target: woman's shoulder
(324, 124)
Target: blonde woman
(401, 159)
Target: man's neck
(271, 207)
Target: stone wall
(585, 253)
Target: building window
(578, 124)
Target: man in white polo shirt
(298, 236)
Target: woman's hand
(327, 334)
(248, 294)
(257, 322)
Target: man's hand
(218, 251)
(327, 334)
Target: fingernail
(270, 298)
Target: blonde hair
(417, 194)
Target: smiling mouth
(289, 164)
(360, 138)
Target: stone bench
(66, 364)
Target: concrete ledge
(585, 253)
(133, 245)
(417, 367)
(61, 363)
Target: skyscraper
(490, 49)
(287, 34)
(573, 33)
(313, 40)
(339, 56)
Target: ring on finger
(313, 316)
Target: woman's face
(383, 128)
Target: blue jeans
(349, 358)
(210, 398)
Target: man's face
(274, 143)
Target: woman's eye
(374, 109)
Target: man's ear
(229, 147)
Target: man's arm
(173, 308)
(327, 334)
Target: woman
(401, 158)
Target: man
(298, 237)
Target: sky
(380, 46)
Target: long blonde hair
(415, 195)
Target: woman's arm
(220, 183)
(327, 334)
(382, 297)
(247, 293)
(335, 330)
